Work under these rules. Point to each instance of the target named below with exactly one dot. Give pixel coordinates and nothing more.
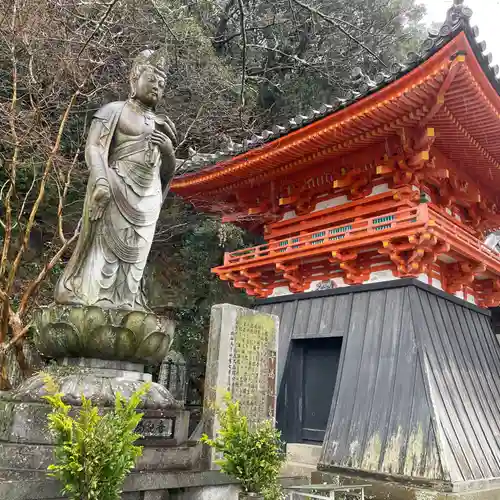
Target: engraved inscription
(252, 366)
(156, 428)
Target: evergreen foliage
(252, 455)
(94, 452)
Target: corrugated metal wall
(418, 388)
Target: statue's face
(149, 88)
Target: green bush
(252, 455)
(94, 453)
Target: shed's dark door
(320, 363)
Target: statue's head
(147, 79)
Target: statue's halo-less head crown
(147, 59)
(151, 59)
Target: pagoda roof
(375, 110)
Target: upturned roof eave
(224, 171)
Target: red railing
(463, 242)
(364, 232)
(320, 240)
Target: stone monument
(100, 329)
(241, 361)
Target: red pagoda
(401, 179)
(375, 209)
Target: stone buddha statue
(100, 325)
(131, 158)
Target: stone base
(97, 380)
(395, 490)
(26, 443)
(138, 486)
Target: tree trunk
(4, 373)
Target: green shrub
(252, 455)
(94, 453)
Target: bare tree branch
(162, 17)
(62, 198)
(186, 135)
(23, 206)
(15, 154)
(222, 41)
(303, 62)
(41, 193)
(98, 27)
(244, 54)
(335, 23)
(35, 284)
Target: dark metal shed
(417, 390)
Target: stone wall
(138, 486)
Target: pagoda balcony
(409, 239)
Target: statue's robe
(107, 266)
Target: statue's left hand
(163, 142)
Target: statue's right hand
(99, 201)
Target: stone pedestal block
(26, 444)
(34, 457)
(227, 492)
(26, 422)
(146, 485)
(156, 495)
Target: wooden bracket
(487, 292)
(358, 181)
(292, 274)
(353, 272)
(462, 274)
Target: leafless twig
(243, 55)
(98, 27)
(162, 17)
(62, 197)
(186, 135)
(303, 62)
(335, 23)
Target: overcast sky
(486, 16)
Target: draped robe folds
(107, 266)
